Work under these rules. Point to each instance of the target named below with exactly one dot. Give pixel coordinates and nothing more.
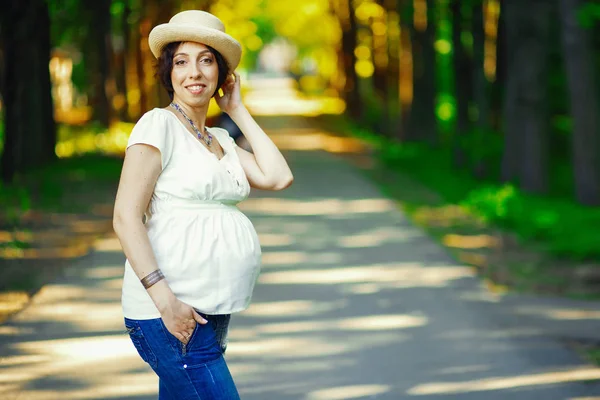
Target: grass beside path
(516, 242)
(50, 217)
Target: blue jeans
(196, 371)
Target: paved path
(353, 303)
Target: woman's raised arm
(266, 168)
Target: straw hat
(196, 26)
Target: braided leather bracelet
(152, 278)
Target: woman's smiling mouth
(196, 89)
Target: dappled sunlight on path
(353, 302)
(278, 96)
(482, 385)
(71, 340)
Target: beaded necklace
(207, 138)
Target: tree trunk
(393, 69)
(119, 62)
(481, 95)
(423, 121)
(581, 79)
(349, 31)
(463, 78)
(527, 29)
(380, 81)
(97, 52)
(512, 147)
(165, 11)
(380, 67)
(140, 61)
(406, 69)
(497, 88)
(150, 16)
(30, 134)
(48, 127)
(2, 62)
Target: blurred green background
(492, 105)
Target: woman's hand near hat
(180, 319)
(232, 97)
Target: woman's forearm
(268, 157)
(136, 246)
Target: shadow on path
(353, 302)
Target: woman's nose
(195, 71)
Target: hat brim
(164, 34)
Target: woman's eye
(179, 62)
(206, 60)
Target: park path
(354, 302)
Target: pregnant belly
(204, 243)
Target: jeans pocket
(221, 328)
(181, 347)
(201, 348)
(140, 343)
(190, 341)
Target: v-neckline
(190, 134)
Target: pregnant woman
(192, 257)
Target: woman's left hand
(232, 97)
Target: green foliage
(88, 167)
(494, 203)
(562, 124)
(372, 107)
(562, 226)
(265, 30)
(15, 201)
(372, 112)
(69, 29)
(559, 225)
(15, 244)
(50, 188)
(66, 131)
(588, 14)
(406, 11)
(428, 166)
(594, 355)
(117, 8)
(484, 145)
(82, 174)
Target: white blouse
(205, 246)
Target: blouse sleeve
(224, 138)
(152, 129)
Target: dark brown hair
(164, 66)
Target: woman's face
(194, 75)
